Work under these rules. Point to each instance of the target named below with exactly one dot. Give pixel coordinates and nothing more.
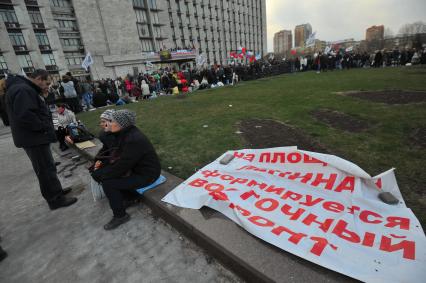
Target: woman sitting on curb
(132, 164)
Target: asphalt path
(70, 244)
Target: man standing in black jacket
(32, 129)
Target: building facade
(123, 35)
(301, 34)
(375, 33)
(283, 41)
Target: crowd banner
(317, 206)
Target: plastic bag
(97, 190)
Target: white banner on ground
(317, 206)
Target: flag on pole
(149, 64)
(349, 49)
(311, 40)
(88, 60)
(201, 59)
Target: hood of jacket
(14, 80)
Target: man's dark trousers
(45, 169)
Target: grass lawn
(175, 126)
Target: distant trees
(413, 28)
(388, 33)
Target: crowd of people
(87, 94)
(347, 60)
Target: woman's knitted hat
(107, 115)
(124, 118)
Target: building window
(158, 31)
(139, 3)
(67, 24)
(3, 64)
(143, 30)
(70, 41)
(59, 15)
(49, 59)
(17, 39)
(35, 17)
(147, 45)
(8, 15)
(140, 16)
(25, 61)
(152, 4)
(42, 38)
(61, 3)
(74, 58)
(155, 19)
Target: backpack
(78, 133)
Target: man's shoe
(66, 190)
(62, 202)
(3, 254)
(116, 221)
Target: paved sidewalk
(70, 245)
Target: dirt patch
(269, 133)
(417, 138)
(340, 120)
(390, 96)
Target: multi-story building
(375, 33)
(123, 35)
(283, 41)
(301, 34)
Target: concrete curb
(249, 257)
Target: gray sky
(341, 19)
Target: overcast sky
(341, 19)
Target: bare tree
(414, 28)
(388, 33)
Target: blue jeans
(88, 99)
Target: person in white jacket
(145, 90)
(65, 118)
